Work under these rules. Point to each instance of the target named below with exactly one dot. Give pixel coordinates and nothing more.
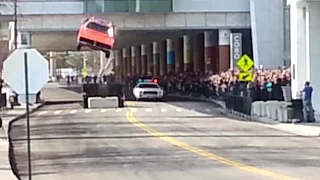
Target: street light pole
(15, 19)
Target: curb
(11, 156)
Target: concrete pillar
(52, 64)
(267, 43)
(118, 63)
(149, 59)
(178, 55)
(144, 59)
(187, 54)
(198, 53)
(298, 48)
(103, 61)
(224, 49)
(312, 49)
(129, 65)
(305, 38)
(163, 57)
(210, 51)
(125, 62)
(133, 60)
(170, 56)
(101, 57)
(156, 58)
(138, 60)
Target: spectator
(308, 111)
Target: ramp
(53, 93)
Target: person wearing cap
(308, 111)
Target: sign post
(26, 79)
(245, 63)
(27, 113)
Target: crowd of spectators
(266, 84)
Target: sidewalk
(303, 129)
(53, 92)
(7, 116)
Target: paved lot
(150, 141)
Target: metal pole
(15, 19)
(27, 113)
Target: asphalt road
(157, 141)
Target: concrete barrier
(271, 109)
(275, 110)
(99, 102)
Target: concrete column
(267, 43)
(125, 62)
(129, 65)
(211, 51)
(118, 63)
(312, 48)
(170, 56)
(133, 60)
(156, 58)
(149, 59)
(187, 53)
(298, 48)
(102, 60)
(163, 57)
(305, 38)
(224, 49)
(144, 59)
(138, 60)
(198, 53)
(178, 55)
(52, 64)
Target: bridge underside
(66, 41)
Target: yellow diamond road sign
(245, 63)
(84, 72)
(245, 76)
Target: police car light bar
(148, 80)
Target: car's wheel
(107, 54)
(78, 47)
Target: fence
(238, 103)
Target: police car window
(97, 27)
(148, 86)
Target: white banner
(235, 48)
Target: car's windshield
(148, 86)
(97, 27)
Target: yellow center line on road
(204, 153)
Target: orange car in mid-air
(97, 34)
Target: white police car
(148, 89)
